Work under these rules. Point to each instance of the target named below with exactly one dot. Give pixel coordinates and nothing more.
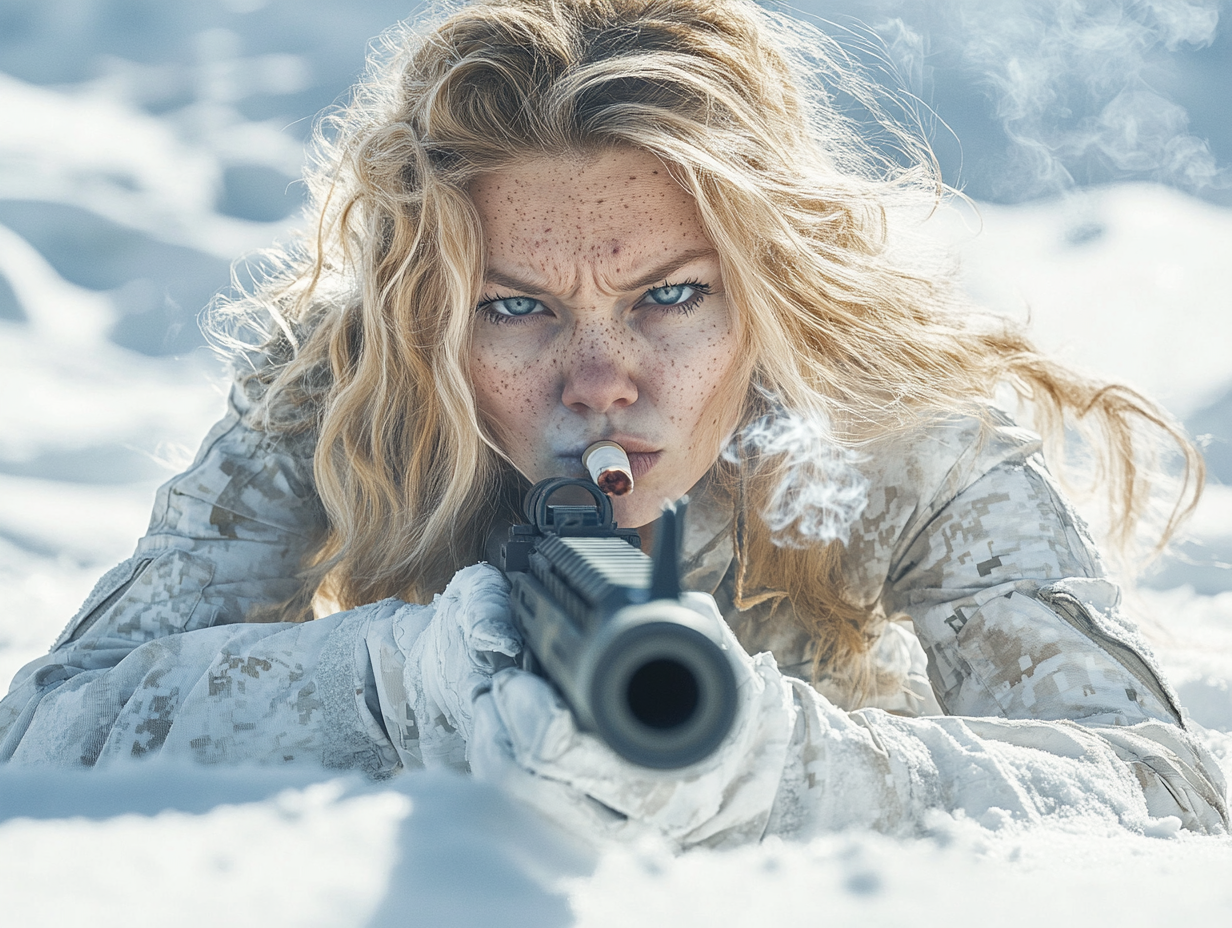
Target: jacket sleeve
(1018, 622)
(226, 535)
(328, 692)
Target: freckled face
(603, 316)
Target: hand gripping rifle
(605, 623)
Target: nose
(598, 371)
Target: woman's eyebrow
(655, 275)
(661, 273)
(511, 282)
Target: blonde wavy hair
(372, 309)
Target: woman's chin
(636, 513)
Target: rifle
(606, 625)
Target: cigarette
(609, 467)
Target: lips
(641, 462)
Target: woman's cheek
(513, 390)
(496, 386)
(700, 365)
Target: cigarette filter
(609, 467)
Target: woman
(540, 224)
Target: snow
(962, 874)
(1130, 281)
(260, 860)
(88, 148)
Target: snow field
(1130, 281)
(305, 857)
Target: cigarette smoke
(819, 493)
(1077, 85)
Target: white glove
(469, 638)
(527, 742)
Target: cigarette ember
(609, 467)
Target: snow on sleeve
(235, 693)
(871, 769)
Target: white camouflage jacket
(1027, 691)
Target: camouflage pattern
(997, 610)
(966, 535)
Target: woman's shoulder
(943, 455)
(912, 474)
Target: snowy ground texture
(1131, 281)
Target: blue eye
(680, 298)
(671, 295)
(513, 306)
